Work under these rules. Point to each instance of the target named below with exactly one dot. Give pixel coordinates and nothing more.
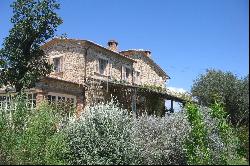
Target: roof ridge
(92, 42)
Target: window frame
(108, 68)
(105, 62)
(7, 105)
(57, 68)
(58, 96)
(124, 72)
(137, 78)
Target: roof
(149, 59)
(82, 42)
(12, 89)
(164, 92)
(120, 54)
(62, 80)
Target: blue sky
(185, 36)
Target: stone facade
(150, 73)
(85, 62)
(72, 61)
(113, 68)
(90, 73)
(63, 89)
(80, 60)
(77, 58)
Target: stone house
(86, 73)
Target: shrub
(106, 134)
(31, 137)
(102, 135)
(211, 135)
(12, 124)
(226, 133)
(160, 139)
(196, 144)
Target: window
(126, 72)
(51, 99)
(32, 100)
(7, 104)
(103, 66)
(57, 64)
(57, 98)
(137, 77)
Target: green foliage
(243, 134)
(151, 88)
(197, 149)
(102, 135)
(160, 139)
(233, 92)
(21, 57)
(32, 137)
(106, 134)
(11, 128)
(226, 133)
(212, 140)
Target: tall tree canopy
(232, 91)
(22, 59)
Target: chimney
(112, 45)
(148, 53)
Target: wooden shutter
(106, 70)
(110, 69)
(96, 63)
(123, 73)
(61, 63)
(134, 76)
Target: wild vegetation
(31, 136)
(233, 93)
(107, 134)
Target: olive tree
(226, 86)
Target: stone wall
(51, 85)
(148, 72)
(60, 86)
(73, 61)
(114, 67)
(81, 59)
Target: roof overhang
(55, 41)
(142, 52)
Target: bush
(12, 124)
(196, 144)
(102, 135)
(31, 137)
(106, 134)
(160, 139)
(211, 136)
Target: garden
(107, 134)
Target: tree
(22, 59)
(232, 91)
